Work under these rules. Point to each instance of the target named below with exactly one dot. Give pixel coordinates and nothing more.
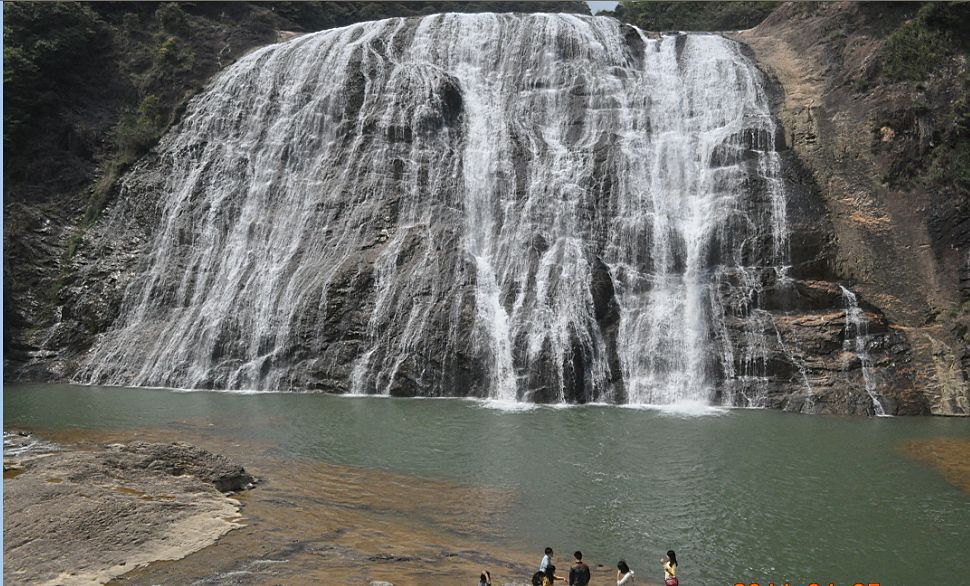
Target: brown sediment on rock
(320, 523)
(13, 471)
(87, 515)
(313, 522)
(949, 455)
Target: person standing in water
(670, 569)
(624, 575)
(579, 573)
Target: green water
(741, 495)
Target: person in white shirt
(624, 575)
(546, 560)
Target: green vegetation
(90, 87)
(138, 130)
(951, 159)
(929, 52)
(951, 165)
(693, 16)
(917, 48)
(83, 101)
(322, 15)
(41, 45)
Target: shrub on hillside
(919, 47)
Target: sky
(595, 7)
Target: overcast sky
(595, 7)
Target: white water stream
(857, 340)
(395, 204)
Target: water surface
(742, 495)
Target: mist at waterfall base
(546, 208)
(742, 496)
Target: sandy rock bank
(77, 515)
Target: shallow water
(741, 495)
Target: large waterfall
(520, 207)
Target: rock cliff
(870, 311)
(896, 233)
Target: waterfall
(521, 207)
(857, 340)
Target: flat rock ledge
(82, 516)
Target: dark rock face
(806, 357)
(812, 372)
(182, 458)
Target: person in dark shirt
(579, 573)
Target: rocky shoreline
(87, 515)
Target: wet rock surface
(80, 515)
(810, 358)
(861, 142)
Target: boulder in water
(180, 458)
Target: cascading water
(857, 340)
(523, 207)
